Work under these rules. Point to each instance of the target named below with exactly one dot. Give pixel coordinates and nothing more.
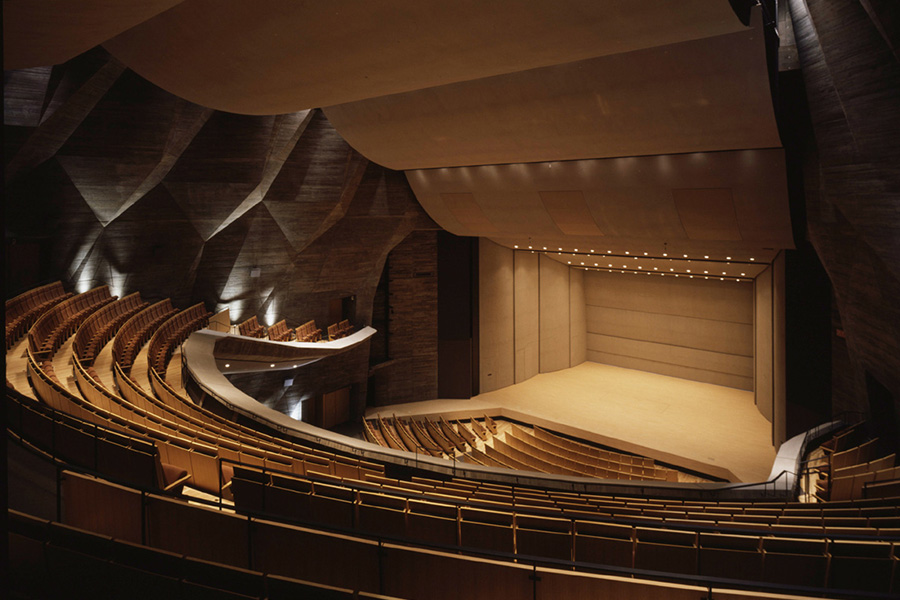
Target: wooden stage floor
(708, 428)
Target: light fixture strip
(728, 260)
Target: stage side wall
(695, 329)
(531, 316)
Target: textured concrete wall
(848, 55)
(111, 180)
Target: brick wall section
(410, 373)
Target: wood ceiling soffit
(627, 199)
(312, 55)
(469, 214)
(707, 213)
(50, 136)
(695, 96)
(50, 32)
(570, 212)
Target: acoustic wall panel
(495, 306)
(762, 306)
(690, 328)
(779, 383)
(554, 317)
(527, 309)
(577, 322)
(532, 315)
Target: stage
(698, 426)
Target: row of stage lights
(635, 256)
(625, 269)
(662, 274)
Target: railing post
(380, 566)
(58, 493)
(250, 539)
(143, 518)
(96, 449)
(535, 578)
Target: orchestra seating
(539, 450)
(23, 310)
(173, 332)
(286, 517)
(280, 332)
(146, 572)
(308, 332)
(99, 328)
(59, 322)
(252, 328)
(135, 332)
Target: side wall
(769, 343)
(531, 315)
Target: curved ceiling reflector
(278, 56)
(50, 32)
(698, 95)
(730, 200)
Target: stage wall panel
(691, 328)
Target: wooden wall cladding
(852, 79)
(699, 330)
(118, 182)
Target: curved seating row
(59, 322)
(135, 332)
(528, 525)
(539, 451)
(49, 560)
(678, 536)
(172, 332)
(23, 310)
(100, 327)
(385, 563)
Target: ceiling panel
(699, 95)
(629, 199)
(278, 56)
